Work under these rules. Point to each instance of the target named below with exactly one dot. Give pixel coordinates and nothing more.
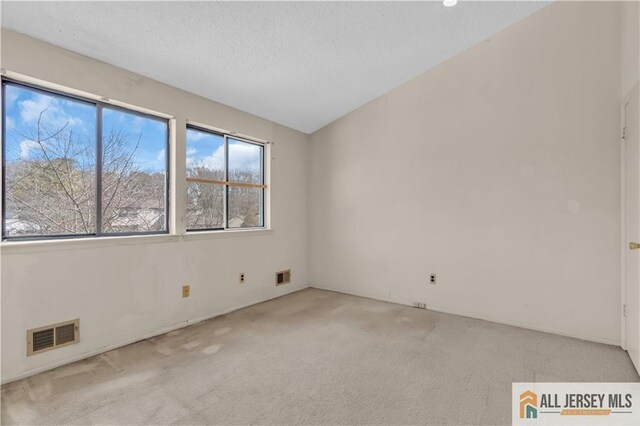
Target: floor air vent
(283, 277)
(49, 337)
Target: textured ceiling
(301, 64)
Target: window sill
(205, 235)
(30, 246)
(16, 247)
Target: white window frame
(100, 101)
(265, 208)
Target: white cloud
(242, 157)
(54, 117)
(25, 148)
(195, 136)
(215, 161)
(9, 122)
(11, 94)
(191, 159)
(160, 157)
(31, 109)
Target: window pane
(50, 161)
(205, 160)
(245, 161)
(205, 208)
(133, 172)
(245, 207)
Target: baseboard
(145, 336)
(473, 315)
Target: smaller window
(225, 181)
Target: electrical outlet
(186, 290)
(432, 279)
(241, 278)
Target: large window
(74, 167)
(225, 181)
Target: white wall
(630, 27)
(123, 290)
(498, 170)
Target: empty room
(326, 213)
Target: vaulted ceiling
(301, 64)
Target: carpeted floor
(313, 357)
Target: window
(225, 181)
(74, 167)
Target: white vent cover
(283, 277)
(49, 337)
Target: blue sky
(24, 105)
(22, 111)
(207, 149)
(151, 153)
